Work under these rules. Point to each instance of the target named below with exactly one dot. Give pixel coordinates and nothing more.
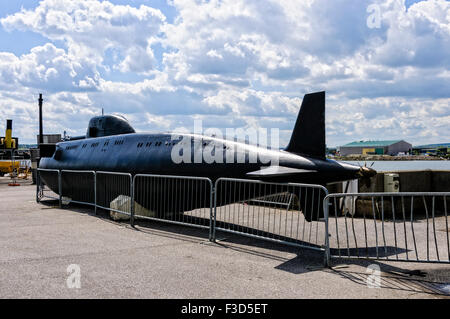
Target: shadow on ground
(395, 275)
(306, 260)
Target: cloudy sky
(385, 65)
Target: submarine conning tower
(107, 125)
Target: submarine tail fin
(308, 136)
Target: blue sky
(230, 63)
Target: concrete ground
(39, 242)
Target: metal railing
(285, 213)
(182, 200)
(110, 191)
(78, 187)
(114, 192)
(53, 177)
(382, 226)
(389, 226)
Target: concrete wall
(440, 181)
(411, 181)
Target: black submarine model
(111, 144)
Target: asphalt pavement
(47, 252)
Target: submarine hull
(168, 196)
(111, 145)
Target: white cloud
(90, 27)
(418, 37)
(48, 68)
(243, 63)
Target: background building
(432, 149)
(376, 147)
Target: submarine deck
(157, 260)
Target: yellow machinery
(6, 166)
(8, 136)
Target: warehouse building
(432, 149)
(376, 148)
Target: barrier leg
(38, 185)
(60, 189)
(211, 211)
(214, 216)
(327, 260)
(132, 202)
(95, 193)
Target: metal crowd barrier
(382, 226)
(286, 213)
(106, 190)
(71, 192)
(114, 192)
(53, 176)
(181, 200)
(389, 226)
